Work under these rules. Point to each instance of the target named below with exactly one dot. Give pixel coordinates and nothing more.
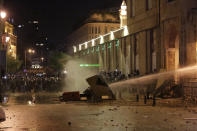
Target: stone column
(142, 52)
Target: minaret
(123, 14)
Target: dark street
(108, 116)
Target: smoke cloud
(76, 76)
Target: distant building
(30, 37)
(36, 63)
(159, 34)
(98, 23)
(8, 43)
(11, 40)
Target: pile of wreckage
(98, 91)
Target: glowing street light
(7, 39)
(65, 72)
(30, 51)
(101, 39)
(42, 59)
(3, 39)
(75, 49)
(3, 14)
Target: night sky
(56, 18)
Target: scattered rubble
(97, 92)
(69, 123)
(190, 118)
(165, 120)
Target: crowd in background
(39, 82)
(116, 75)
(28, 83)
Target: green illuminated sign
(88, 51)
(103, 48)
(117, 43)
(109, 46)
(97, 49)
(89, 65)
(93, 50)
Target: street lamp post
(42, 62)
(2, 42)
(25, 59)
(30, 51)
(3, 14)
(42, 59)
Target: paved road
(102, 117)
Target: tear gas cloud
(76, 75)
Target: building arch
(172, 48)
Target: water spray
(180, 72)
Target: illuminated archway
(172, 48)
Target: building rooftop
(110, 15)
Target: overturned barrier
(99, 89)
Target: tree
(57, 60)
(13, 65)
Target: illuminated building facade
(11, 40)
(157, 34)
(98, 23)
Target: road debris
(98, 91)
(69, 123)
(190, 118)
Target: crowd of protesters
(116, 75)
(27, 83)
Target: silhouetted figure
(137, 98)
(138, 72)
(1, 98)
(154, 100)
(148, 95)
(2, 73)
(69, 123)
(145, 99)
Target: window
(136, 55)
(89, 30)
(95, 30)
(106, 30)
(152, 40)
(99, 30)
(109, 56)
(171, 0)
(132, 12)
(154, 61)
(153, 52)
(117, 51)
(92, 30)
(149, 4)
